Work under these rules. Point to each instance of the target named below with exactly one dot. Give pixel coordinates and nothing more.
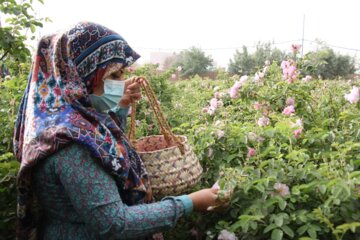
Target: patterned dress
(56, 112)
(80, 200)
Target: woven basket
(170, 171)
(172, 166)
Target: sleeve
(94, 195)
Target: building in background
(164, 59)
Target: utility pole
(303, 33)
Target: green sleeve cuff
(185, 200)
(187, 203)
(121, 111)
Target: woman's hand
(132, 91)
(204, 198)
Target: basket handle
(165, 129)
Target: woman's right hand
(132, 91)
(204, 198)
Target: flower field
(289, 146)
(297, 142)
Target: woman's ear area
(117, 75)
(98, 85)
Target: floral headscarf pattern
(56, 111)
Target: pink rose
(289, 70)
(289, 110)
(295, 48)
(216, 185)
(251, 152)
(257, 106)
(299, 123)
(263, 121)
(257, 78)
(213, 102)
(220, 134)
(243, 79)
(226, 235)
(211, 110)
(297, 133)
(233, 92)
(353, 96)
(281, 189)
(285, 64)
(307, 78)
(237, 85)
(290, 101)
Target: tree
(327, 64)
(21, 18)
(244, 63)
(193, 61)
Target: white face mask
(113, 91)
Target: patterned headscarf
(56, 111)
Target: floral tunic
(81, 201)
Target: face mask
(113, 91)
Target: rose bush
(299, 168)
(298, 143)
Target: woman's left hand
(132, 91)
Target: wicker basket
(170, 171)
(172, 165)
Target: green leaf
(343, 228)
(279, 220)
(322, 189)
(260, 188)
(32, 28)
(301, 230)
(282, 204)
(253, 225)
(312, 233)
(277, 234)
(336, 201)
(288, 231)
(269, 228)
(295, 190)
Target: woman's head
(98, 52)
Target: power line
(335, 46)
(247, 46)
(215, 48)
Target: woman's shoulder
(73, 155)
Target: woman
(76, 162)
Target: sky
(217, 27)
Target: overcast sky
(218, 27)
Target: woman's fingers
(135, 96)
(132, 91)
